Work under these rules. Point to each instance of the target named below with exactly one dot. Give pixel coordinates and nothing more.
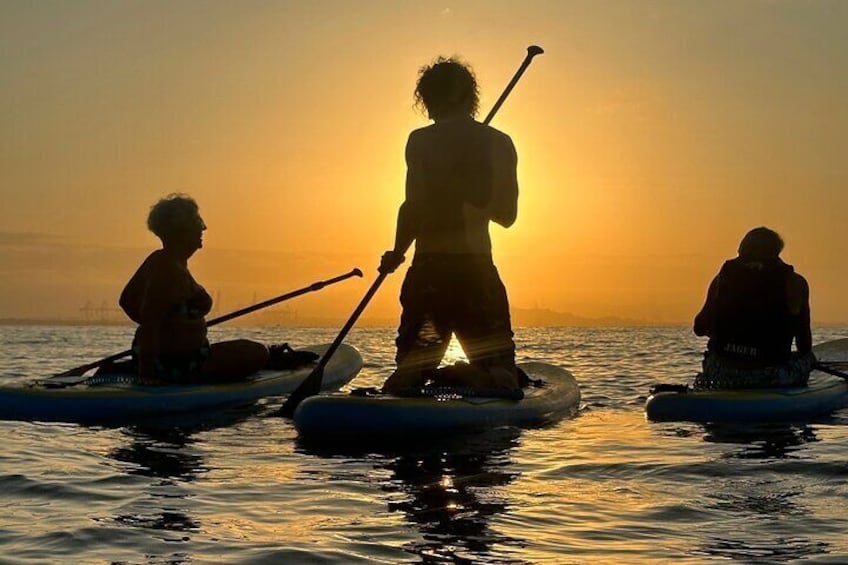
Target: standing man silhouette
(461, 174)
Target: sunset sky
(651, 136)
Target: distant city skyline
(56, 293)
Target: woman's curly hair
(447, 85)
(172, 214)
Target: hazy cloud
(27, 238)
(636, 98)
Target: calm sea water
(603, 487)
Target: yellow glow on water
(454, 352)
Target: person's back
(756, 306)
(461, 175)
(753, 320)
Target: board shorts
(459, 294)
(721, 373)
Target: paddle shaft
(532, 51)
(312, 384)
(282, 298)
(825, 369)
(76, 371)
(353, 318)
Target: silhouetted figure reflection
(170, 343)
(761, 441)
(163, 454)
(758, 498)
(450, 494)
(755, 307)
(447, 488)
(461, 174)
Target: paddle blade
(827, 368)
(61, 381)
(309, 387)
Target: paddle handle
(532, 51)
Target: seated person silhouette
(756, 306)
(169, 306)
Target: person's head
(176, 220)
(760, 244)
(447, 87)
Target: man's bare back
(460, 175)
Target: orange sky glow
(651, 137)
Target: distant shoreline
(328, 323)
(60, 322)
(370, 323)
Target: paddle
(532, 51)
(312, 384)
(830, 370)
(79, 371)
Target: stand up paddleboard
(824, 394)
(552, 394)
(115, 399)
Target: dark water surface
(604, 487)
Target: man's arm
(803, 332)
(406, 229)
(704, 320)
(405, 232)
(503, 207)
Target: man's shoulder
(798, 290)
(447, 136)
(798, 281)
(419, 136)
(495, 132)
(422, 131)
(437, 129)
(498, 139)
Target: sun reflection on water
(454, 352)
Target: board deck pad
(351, 416)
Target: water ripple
(606, 486)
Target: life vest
(752, 320)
